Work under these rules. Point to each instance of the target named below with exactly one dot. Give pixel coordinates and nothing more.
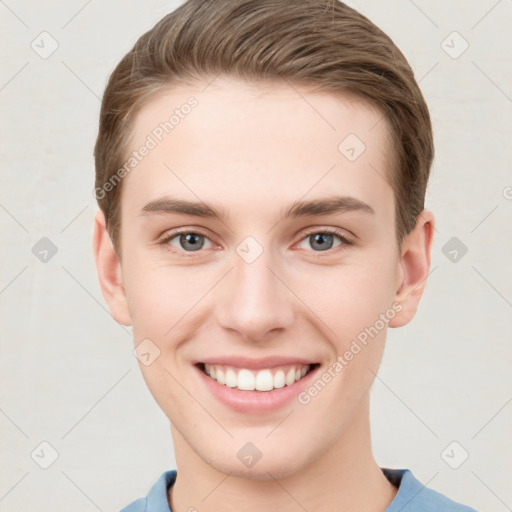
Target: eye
(185, 241)
(323, 239)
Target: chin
(264, 470)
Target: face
(286, 263)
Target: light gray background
(68, 375)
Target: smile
(265, 379)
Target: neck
(344, 478)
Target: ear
(109, 271)
(414, 268)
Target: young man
(261, 168)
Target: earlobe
(414, 267)
(109, 271)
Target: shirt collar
(408, 488)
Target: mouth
(260, 380)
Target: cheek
(356, 307)
(348, 298)
(162, 298)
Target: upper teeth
(262, 380)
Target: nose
(255, 301)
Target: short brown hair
(319, 43)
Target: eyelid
(171, 233)
(346, 241)
(350, 238)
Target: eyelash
(344, 239)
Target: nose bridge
(255, 301)
(254, 283)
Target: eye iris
(189, 238)
(318, 237)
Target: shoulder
(156, 500)
(413, 496)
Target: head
(264, 114)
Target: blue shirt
(412, 496)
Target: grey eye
(321, 241)
(189, 242)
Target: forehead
(232, 142)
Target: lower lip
(256, 401)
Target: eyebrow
(315, 207)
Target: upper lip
(253, 363)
